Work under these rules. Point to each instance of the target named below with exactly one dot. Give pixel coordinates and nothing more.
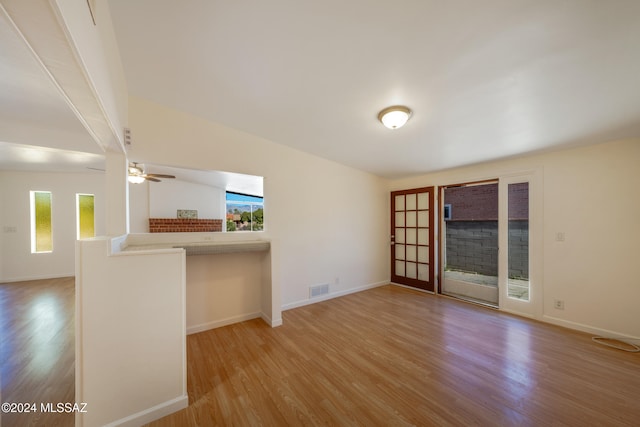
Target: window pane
(244, 212)
(41, 235)
(257, 218)
(518, 282)
(86, 218)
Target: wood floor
(392, 356)
(37, 349)
(386, 356)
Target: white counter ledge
(204, 247)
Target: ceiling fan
(137, 175)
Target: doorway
(470, 241)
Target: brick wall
(480, 202)
(183, 225)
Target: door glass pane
(423, 218)
(411, 253)
(400, 219)
(400, 268)
(423, 271)
(399, 251)
(411, 236)
(423, 201)
(423, 236)
(399, 235)
(411, 219)
(411, 202)
(518, 257)
(412, 272)
(470, 238)
(423, 254)
(399, 203)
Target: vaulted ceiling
(485, 79)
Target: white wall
(327, 222)
(590, 194)
(166, 197)
(223, 289)
(139, 207)
(16, 260)
(130, 334)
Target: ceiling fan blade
(159, 175)
(150, 178)
(95, 169)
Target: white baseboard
(223, 322)
(152, 414)
(271, 322)
(332, 295)
(588, 329)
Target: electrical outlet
(559, 236)
(558, 304)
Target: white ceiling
(485, 80)
(38, 129)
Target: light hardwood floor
(37, 349)
(393, 356)
(386, 356)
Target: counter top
(205, 248)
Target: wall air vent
(318, 290)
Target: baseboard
(152, 414)
(271, 322)
(332, 295)
(40, 277)
(222, 322)
(588, 329)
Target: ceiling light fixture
(135, 174)
(394, 117)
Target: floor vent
(316, 291)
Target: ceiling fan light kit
(394, 117)
(137, 175)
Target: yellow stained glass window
(86, 221)
(41, 233)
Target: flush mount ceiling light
(394, 117)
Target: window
(244, 212)
(41, 234)
(85, 216)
